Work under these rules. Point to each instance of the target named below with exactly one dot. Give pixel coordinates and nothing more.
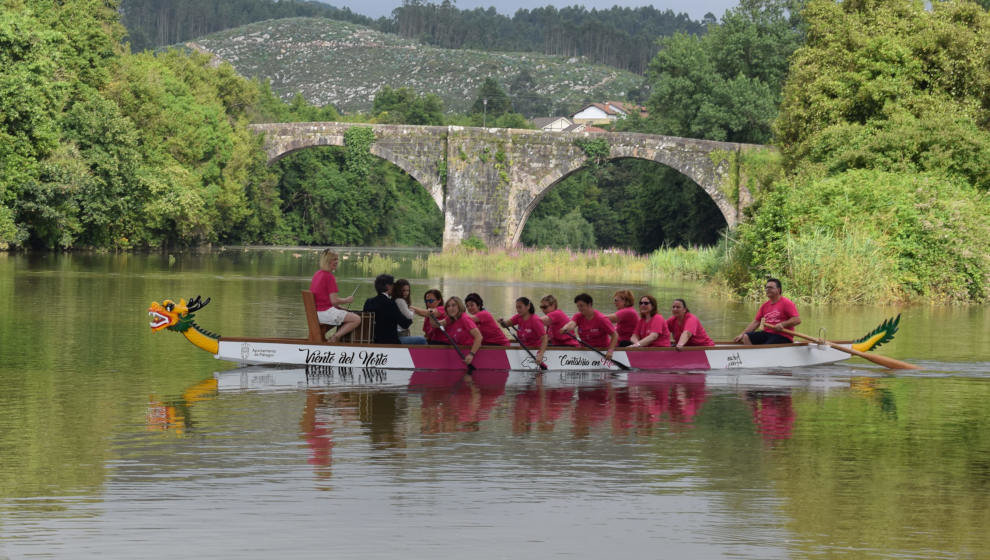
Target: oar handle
(884, 361)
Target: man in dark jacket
(388, 318)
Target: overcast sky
(694, 8)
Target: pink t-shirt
(491, 332)
(595, 331)
(691, 324)
(654, 324)
(626, 321)
(322, 286)
(460, 330)
(430, 330)
(531, 330)
(557, 320)
(779, 312)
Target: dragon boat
(358, 353)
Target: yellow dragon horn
(880, 335)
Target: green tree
(891, 85)
(725, 85)
(404, 106)
(492, 100)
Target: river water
(119, 443)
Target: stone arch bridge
(487, 181)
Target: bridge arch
(282, 139)
(549, 182)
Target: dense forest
(620, 37)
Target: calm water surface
(119, 443)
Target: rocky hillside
(345, 64)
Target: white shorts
(333, 316)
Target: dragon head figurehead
(174, 316)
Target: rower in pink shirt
(555, 319)
(594, 328)
(491, 333)
(651, 331)
(529, 328)
(685, 327)
(776, 313)
(626, 318)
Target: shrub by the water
(867, 235)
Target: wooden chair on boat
(364, 333)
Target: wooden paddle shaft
(886, 362)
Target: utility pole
(484, 114)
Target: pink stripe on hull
(445, 357)
(688, 359)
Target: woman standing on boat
(685, 327)
(652, 330)
(490, 331)
(555, 319)
(532, 331)
(324, 288)
(433, 300)
(625, 317)
(460, 328)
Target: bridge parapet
(487, 181)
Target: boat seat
(317, 332)
(363, 334)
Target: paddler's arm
(685, 337)
(568, 327)
(612, 343)
(338, 301)
(645, 341)
(790, 323)
(749, 328)
(419, 311)
(544, 340)
(474, 346)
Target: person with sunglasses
(685, 327)
(555, 319)
(433, 311)
(651, 330)
(776, 313)
(625, 317)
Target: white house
(607, 112)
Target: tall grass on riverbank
(599, 265)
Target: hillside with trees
(621, 37)
(345, 65)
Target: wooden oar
(596, 351)
(884, 361)
(470, 367)
(526, 348)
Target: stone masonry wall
(487, 181)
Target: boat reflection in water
(389, 407)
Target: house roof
(540, 122)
